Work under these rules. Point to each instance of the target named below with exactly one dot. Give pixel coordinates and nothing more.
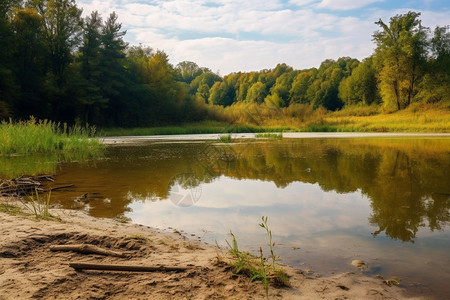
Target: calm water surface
(329, 201)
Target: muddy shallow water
(384, 200)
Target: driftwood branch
(87, 249)
(127, 268)
(59, 187)
(23, 185)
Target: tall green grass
(43, 136)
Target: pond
(384, 200)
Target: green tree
(435, 86)
(281, 69)
(62, 30)
(91, 99)
(221, 93)
(282, 86)
(256, 93)
(29, 64)
(201, 85)
(143, 105)
(9, 90)
(189, 70)
(400, 56)
(361, 86)
(324, 90)
(300, 85)
(112, 71)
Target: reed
(269, 135)
(44, 136)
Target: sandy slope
(29, 270)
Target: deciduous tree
(400, 56)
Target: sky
(229, 36)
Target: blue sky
(251, 35)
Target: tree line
(55, 64)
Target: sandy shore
(30, 270)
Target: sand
(30, 270)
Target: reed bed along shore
(43, 136)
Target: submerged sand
(30, 270)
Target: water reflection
(406, 180)
(15, 166)
(330, 197)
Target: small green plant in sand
(269, 135)
(38, 205)
(10, 209)
(271, 243)
(225, 138)
(257, 268)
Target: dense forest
(57, 65)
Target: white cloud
(232, 35)
(346, 4)
(302, 2)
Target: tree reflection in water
(406, 179)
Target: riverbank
(418, 118)
(30, 270)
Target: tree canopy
(55, 64)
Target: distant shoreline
(304, 135)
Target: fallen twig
(85, 266)
(87, 249)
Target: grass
(419, 117)
(225, 138)
(43, 136)
(257, 268)
(269, 135)
(35, 206)
(38, 205)
(10, 209)
(204, 127)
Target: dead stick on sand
(84, 266)
(87, 249)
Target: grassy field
(44, 136)
(418, 118)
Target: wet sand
(29, 269)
